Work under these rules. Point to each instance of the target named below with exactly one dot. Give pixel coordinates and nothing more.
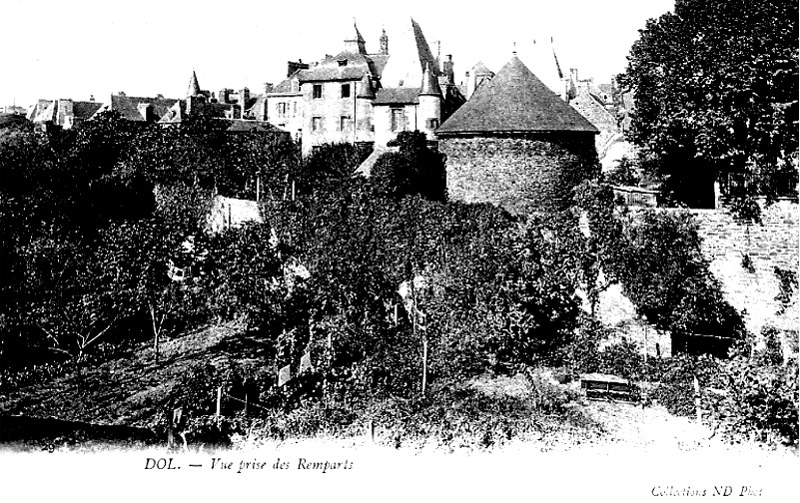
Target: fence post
(219, 401)
(697, 398)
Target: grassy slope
(132, 390)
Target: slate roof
(430, 84)
(366, 90)
(480, 68)
(239, 125)
(330, 70)
(44, 111)
(515, 101)
(84, 110)
(194, 86)
(127, 106)
(397, 96)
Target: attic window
(345, 90)
(342, 62)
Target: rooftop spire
(366, 90)
(194, 87)
(430, 84)
(355, 44)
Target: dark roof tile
(515, 101)
(397, 96)
(127, 106)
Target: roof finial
(515, 48)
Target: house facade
(363, 97)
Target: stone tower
(364, 111)
(430, 103)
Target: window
(317, 90)
(432, 123)
(345, 123)
(294, 109)
(342, 62)
(281, 109)
(345, 90)
(398, 120)
(316, 124)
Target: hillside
(487, 412)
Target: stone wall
(519, 173)
(753, 287)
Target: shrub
(758, 400)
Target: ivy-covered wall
(745, 257)
(519, 173)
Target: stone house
(63, 112)
(517, 144)
(364, 98)
(590, 106)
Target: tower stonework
(430, 104)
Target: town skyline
(59, 53)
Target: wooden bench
(606, 386)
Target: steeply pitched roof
(480, 68)
(410, 54)
(430, 84)
(365, 89)
(44, 111)
(397, 96)
(194, 86)
(329, 69)
(515, 101)
(83, 110)
(128, 106)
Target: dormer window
(342, 62)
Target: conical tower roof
(194, 87)
(515, 101)
(366, 90)
(410, 53)
(430, 84)
(355, 44)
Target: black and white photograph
(399, 251)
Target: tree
(414, 169)
(715, 85)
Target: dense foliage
(715, 85)
(370, 294)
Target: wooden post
(219, 402)
(372, 430)
(292, 190)
(697, 398)
(245, 404)
(258, 188)
(424, 363)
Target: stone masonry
(520, 174)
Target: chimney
(384, 43)
(268, 87)
(91, 98)
(447, 69)
(244, 97)
(294, 66)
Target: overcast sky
(76, 48)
